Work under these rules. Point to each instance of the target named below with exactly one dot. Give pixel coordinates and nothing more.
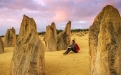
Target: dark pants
(71, 49)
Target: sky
(80, 12)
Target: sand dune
(55, 62)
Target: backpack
(77, 48)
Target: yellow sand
(5, 59)
(55, 62)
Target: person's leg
(74, 50)
(67, 51)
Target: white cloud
(81, 22)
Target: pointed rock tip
(47, 27)
(52, 23)
(69, 21)
(110, 10)
(12, 28)
(25, 16)
(108, 7)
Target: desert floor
(55, 62)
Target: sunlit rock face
(50, 38)
(28, 55)
(1, 46)
(63, 38)
(105, 42)
(10, 38)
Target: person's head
(73, 41)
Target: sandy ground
(55, 62)
(5, 59)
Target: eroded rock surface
(10, 38)
(105, 42)
(1, 45)
(63, 38)
(28, 56)
(50, 38)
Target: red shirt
(77, 48)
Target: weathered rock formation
(50, 38)
(105, 42)
(28, 56)
(63, 38)
(1, 46)
(10, 38)
(55, 42)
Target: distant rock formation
(55, 42)
(28, 56)
(10, 38)
(63, 38)
(105, 42)
(50, 38)
(1, 46)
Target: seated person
(74, 47)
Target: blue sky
(80, 12)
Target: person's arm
(73, 46)
(70, 46)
